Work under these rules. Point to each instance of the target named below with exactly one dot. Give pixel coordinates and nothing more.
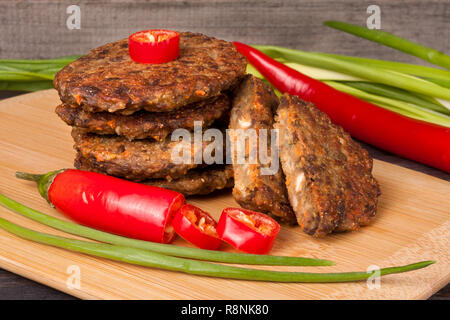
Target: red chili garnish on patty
(111, 204)
(197, 227)
(154, 46)
(247, 230)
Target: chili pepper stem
(29, 176)
(43, 181)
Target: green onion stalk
(387, 39)
(30, 75)
(398, 94)
(38, 65)
(415, 111)
(412, 69)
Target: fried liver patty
(106, 79)
(199, 181)
(328, 175)
(252, 109)
(143, 124)
(136, 160)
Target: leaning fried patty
(143, 124)
(328, 175)
(106, 79)
(252, 109)
(136, 160)
(199, 181)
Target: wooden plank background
(37, 29)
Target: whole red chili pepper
(111, 204)
(247, 230)
(407, 137)
(154, 46)
(197, 227)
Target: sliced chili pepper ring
(247, 230)
(154, 46)
(197, 227)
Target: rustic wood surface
(29, 126)
(37, 29)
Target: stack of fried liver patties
(123, 112)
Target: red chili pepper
(197, 227)
(247, 230)
(111, 204)
(154, 46)
(407, 137)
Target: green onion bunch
(30, 75)
(415, 91)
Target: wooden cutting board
(413, 224)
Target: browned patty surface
(143, 124)
(252, 109)
(328, 175)
(136, 160)
(106, 79)
(199, 181)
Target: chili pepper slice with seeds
(247, 230)
(197, 227)
(154, 46)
